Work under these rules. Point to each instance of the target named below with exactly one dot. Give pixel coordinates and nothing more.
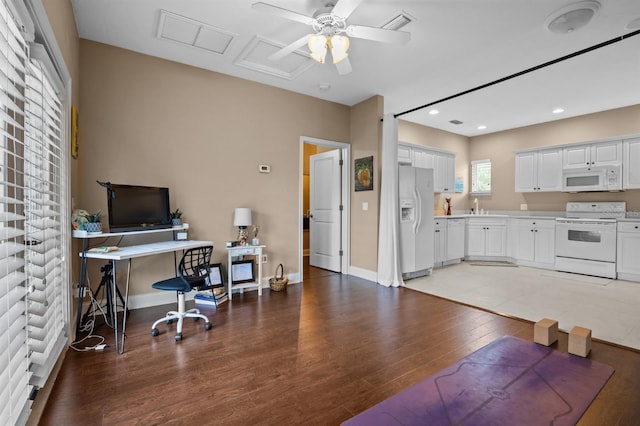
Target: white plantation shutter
(14, 361)
(33, 227)
(44, 252)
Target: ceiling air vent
(456, 122)
(398, 22)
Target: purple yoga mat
(510, 381)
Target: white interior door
(325, 204)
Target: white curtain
(389, 273)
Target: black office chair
(193, 272)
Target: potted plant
(93, 222)
(176, 218)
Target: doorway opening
(324, 207)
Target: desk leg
(126, 302)
(259, 271)
(229, 275)
(81, 284)
(114, 303)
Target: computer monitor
(138, 208)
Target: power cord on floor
(90, 325)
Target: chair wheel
(154, 332)
(178, 336)
(169, 321)
(207, 326)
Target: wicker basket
(279, 281)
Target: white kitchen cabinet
(424, 159)
(443, 164)
(593, 154)
(440, 242)
(449, 235)
(539, 171)
(455, 240)
(535, 242)
(486, 238)
(631, 164)
(405, 154)
(444, 178)
(628, 247)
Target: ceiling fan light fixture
(339, 46)
(318, 46)
(572, 17)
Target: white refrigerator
(415, 191)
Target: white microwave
(603, 178)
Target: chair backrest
(194, 265)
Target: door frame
(346, 197)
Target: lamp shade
(318, 46)
(242, 217)
(339, 47)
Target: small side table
(247, 250)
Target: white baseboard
(363, 273)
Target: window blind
(33, 236)
(14, 362)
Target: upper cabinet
(405, 154)
(591, 155)
(539, 171)
(442, 163)
(631, 164)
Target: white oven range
(586, 238)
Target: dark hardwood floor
(316, 354)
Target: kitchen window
(481, 177)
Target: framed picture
(74, 132)
(242, 271)
(216, 276)
(363, 169)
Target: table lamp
(242, 219)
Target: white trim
(346, 197)
(365, 274)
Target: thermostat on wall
(263, 168)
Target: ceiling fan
(331, 32)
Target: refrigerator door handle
(418, 220)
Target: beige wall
(366, 140)
(500, 147)
(435, 138)
(149, 121)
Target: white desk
(125, 253)
(244, 251)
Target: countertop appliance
(586, 238)
(415, 191)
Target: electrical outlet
(264, 258)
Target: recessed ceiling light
(482, 127)
(434, 112)
(323, 87)
(571, 17)
(558, 110)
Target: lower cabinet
(448, 241)
(627, 265)
(486, 238)
(534, 242)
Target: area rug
(508, 382)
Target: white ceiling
(456, 45)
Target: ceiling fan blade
(344, 8)
(283, 13)
(378, 34)
(344, 66)
(290, 48)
